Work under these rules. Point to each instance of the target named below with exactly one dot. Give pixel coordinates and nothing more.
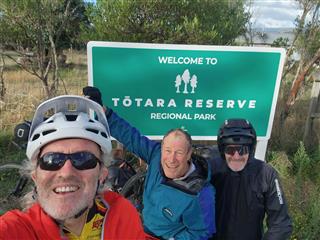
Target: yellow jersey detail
(93, 227)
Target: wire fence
(24, 92)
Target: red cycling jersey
(121, 221)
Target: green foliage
(162, 21)
(315, 167)
(38, 31)
(302, 189)
(308, 41)
(305, 196)
(308, 30)
(8, 180)
(306, 215)
(280, 162)
(29, 23)
(8, 151)
(281, 42)
(301, 162)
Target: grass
(9, 153)
(24, 91)
(300, 176)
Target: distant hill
(274, 33)
(270, 34)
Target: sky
(274, 13)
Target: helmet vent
(49, 131)
(104, 134)
(92, 130)
(35, 137)
(71, 117)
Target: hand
(93, 93)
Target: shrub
(301, 162)
(300, 179)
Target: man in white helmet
(67, 157)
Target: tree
(280, 42)
(2, 84)
(307, 43)
(263, 36)
(162, 21)
(37, 31)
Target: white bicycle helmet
(69, 117)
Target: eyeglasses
(241, 149)
(54, 161)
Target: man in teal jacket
(177, 194)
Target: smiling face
(175, 155)
(65, 192)
(237, 161)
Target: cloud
(274, 14)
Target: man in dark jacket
(247, 189)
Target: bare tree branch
(299, 80)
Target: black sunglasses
(241, 149)
(53, 161)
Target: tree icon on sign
(178, 83)
(186, 80)
(193, 82)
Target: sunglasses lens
(79, 160)
(231, 150)
(52, 161)
(84, 160)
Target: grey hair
(30, 197)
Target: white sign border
(262, 140)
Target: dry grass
(286, 135)
(24, 91)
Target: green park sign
(157, 87)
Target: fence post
(313, 108)
(2, 84)
(261, 149)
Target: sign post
(157, 87)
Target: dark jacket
(244, 198)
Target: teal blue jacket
(172, 210)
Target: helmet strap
(34, 193)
